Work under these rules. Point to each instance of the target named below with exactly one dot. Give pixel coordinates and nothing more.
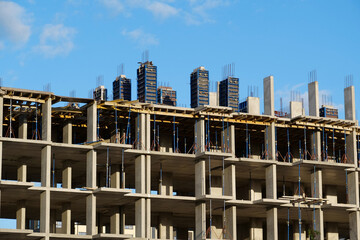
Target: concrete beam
(23, 126)
(269, 96)
(272, 223)
(67, 132)
(91, 123)
(271, 187)
(21, 214)
(66, 218)
(46, 120)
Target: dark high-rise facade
(122, 88)
(229, 93)
(199, 87)
(166, 96)
(147, 82)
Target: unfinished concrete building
(171, 172)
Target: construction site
(77, 168)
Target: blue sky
(69, 43)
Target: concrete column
(67, 132)
(228, 135)
(140, 132)
(200, 134)
(354, 226)
(21, 215)
(316, 184)
(166, 230)
(46, 120)
(148, 132)
(22, 172)
(66, 218)
(349, 102)
(190, 235)
(23, 126)
(166, 186)
(313, 90)
(271, 187)
(115, 221)
(255, 190)
(115, 176)
(253, 105)
(1, 116)
(200, 220)
(331, 194)
(140, 218)
(319, 223)
(351, 148)
(140, 174)
(296, 109)
(270, 142)
(91, 169)
(272, 223)
(332, 232)
(91, 123)
(230, 223)
(256, 230)
(1, 148)
(45, 166)
(269, 96)
(353, 188)
(230, 181)
(296, 233)
(67, 175)
(200, 179)
(91, 215)
(45, 211)
(91, 184)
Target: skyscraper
(199, 87)
(229, 92)
(147, 82)
(100, 93)
(122, 88)
(166, 96)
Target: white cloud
(140, 37)
(115, 6)
(56, 40)
(199, 10)
(14, 23)
(161, 10)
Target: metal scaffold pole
(116, 127)
(210, 210)
(305, 147)
(128, 129)
(299, 208)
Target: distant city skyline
(69, 43)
